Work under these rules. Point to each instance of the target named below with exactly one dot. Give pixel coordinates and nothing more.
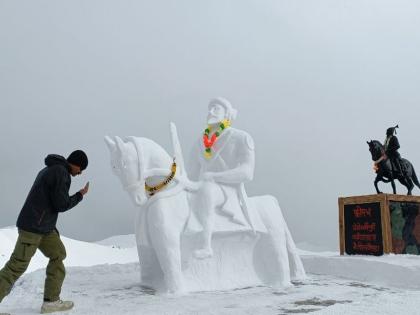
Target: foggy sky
(312, 81)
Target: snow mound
(78, 253)
(400, 271)
(119, 241)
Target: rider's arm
(393, 145)
(245, 158)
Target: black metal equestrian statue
(389, 165)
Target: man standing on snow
(36, 223)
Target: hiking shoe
(56, 306)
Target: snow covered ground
(103, 278)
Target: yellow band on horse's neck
(154, 189)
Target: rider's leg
(393, 176)
(400, 171)
(209, 196)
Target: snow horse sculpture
(204, 233)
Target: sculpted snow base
(205, 234)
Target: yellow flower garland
(208, 144)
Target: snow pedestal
(230, 267)
(378, 224)
(240, 259)
(389, 270)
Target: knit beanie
(78, 158)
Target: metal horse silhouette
(384, 171)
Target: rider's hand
(85, 189)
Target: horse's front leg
(168, 252)
(394, 187)
(377, 180)
(166, 222)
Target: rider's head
(219, 109)
(391, 130)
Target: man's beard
(213, 120)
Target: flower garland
(154, 189)
(209, 143)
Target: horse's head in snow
(134, 160)
(125, 165)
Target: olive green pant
(51, 246)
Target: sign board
(363, 229)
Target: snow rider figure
(223, 159)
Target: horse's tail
(415, 179)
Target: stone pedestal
(379, 224)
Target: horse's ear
(177, 149)
(120, 144)
(112, 146)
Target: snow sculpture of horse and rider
(201, 231)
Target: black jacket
(48, 196)
(391, 148)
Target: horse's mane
(150, 154)
(377, 143)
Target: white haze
(312, 80)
